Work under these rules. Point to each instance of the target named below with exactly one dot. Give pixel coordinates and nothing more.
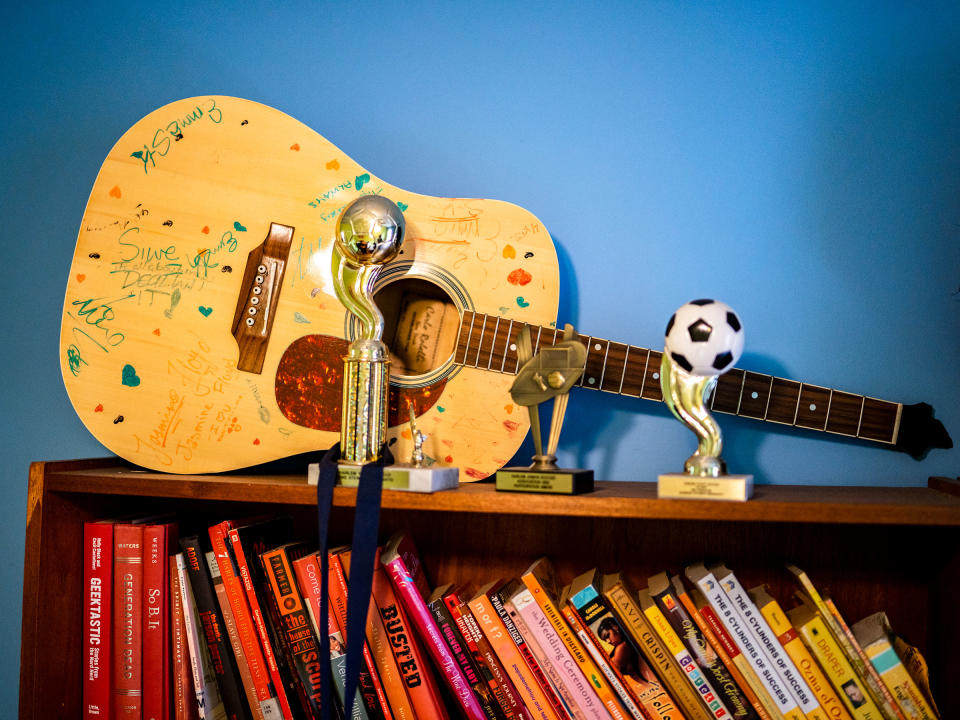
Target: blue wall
(800, 161)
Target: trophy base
(558, 482)
(691, 487)
(397, 477)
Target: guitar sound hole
(421, 323)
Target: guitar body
(190, 208)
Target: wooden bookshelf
(891, 549)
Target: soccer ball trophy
(704, 339)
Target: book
(379, 643)
(411, 658)
(780, 661)
(615, 642)
(574, 687)
(747, 681)
(368, 683)
(492, 626)
(405, 571)
(307, 571)
(916, 665)
(684, 658)
(848, 645)
(704, 654)
(540, 580)
(458, 647)
(127, 621)
(292, 625)
(711, 620)
(98, 620)
(794, 647)
(728, 613)
(873, 633)
(850, 687)
(248, 541)
(206, 693)
(184, 696)
(487, 661)
(211, 624)
(251, 650)
(159, 543)
(625, 608)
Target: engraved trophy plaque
(704, 339)
(549, 374)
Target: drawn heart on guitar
(129, 376)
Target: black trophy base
(557, 482)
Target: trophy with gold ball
(704, 339)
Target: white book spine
(204, 683)
(781, 662)
(727, 612)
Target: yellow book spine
(830, 703)
(850, 688)
(898, 681)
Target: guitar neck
(490, 343)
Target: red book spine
(127, 627)
(97, 616)
(243, 619)
(259, 622)
(417, 611)
(157, 678)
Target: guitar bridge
(259, 295)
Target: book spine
(384, 663)
(530, 691)
(98, 620)
(735, 624)
(715, 674)
(211, 623)
(371, 692)
(711, 620)
(417, 611)
(503, 606)
(207, 695)
(156, 632)
(849, 686)
(694, 675)
(410, 657)
(296, 638)
(579, 692)
(566, 708)
(768, 644)
(611, 639)
(184, 696)
(792, 644)
(497, 679)
(127, 623)
(589, 644)
(269, 707)
(632, 619)
(246, 570)
(587, 667)
(895, 676)
(233, 637)
(458, 649)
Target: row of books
(225, 625)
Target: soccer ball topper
(704, 338)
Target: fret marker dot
(592, 381)
(813, 407)
(597, 346)
(754, 394)
(656, 376)
(513, 347)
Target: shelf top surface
(638, 500)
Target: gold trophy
(369, 235)
(550, 374)
(704, 339)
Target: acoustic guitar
(201, 331)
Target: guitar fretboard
(489, 342)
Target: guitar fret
(743, 382)
(623, 372)
(728, 392)
(782, 403)
(612, 380)
(646, 364)
(466, 344)
(593, 365)
(826, 418)
(882, 420)
(812, 407)
(796, 410)
(633, 374)
(480, 341)
(844, 417)
(652, 389)
(863, 404)
(506, 347)
(493, 344)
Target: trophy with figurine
(704, 339)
